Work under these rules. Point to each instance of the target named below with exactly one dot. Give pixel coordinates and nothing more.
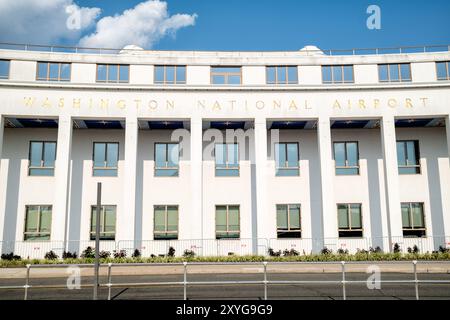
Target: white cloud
(142, 25)
(44, 21)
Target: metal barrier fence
(265, 282)
(224, 247)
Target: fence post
(416, 282)
(109, 280)
(344, 295)
(185, 281)
(265, 280)
(27, 281)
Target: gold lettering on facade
(292, 105)
(104, 103)
(77, 103)
(121, 104)
(170, 104)
(336, 105)
(276, 104)
(29, 101)
(260, 105)
(307, 107)
(232, 102)
(408, 103)
(216, 106)
(91, 103)
(153, 104)
(61, 103)
(362, 104)
(424, 101)
(201, 103)
(392, 103)
(46, 103)
(376, 103)
(138, 103)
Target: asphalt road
(397, 291)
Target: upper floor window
(281, 75)
(394, 72)
(288, 221)
(226, 75)
(42, 157)
(53, 71)
(350, 220)
(346, 158)
(167, 156)
(4, 69)
(107, 222)
(227, 221)
(106, 156)
(337, 74)
(113, 73)
(227, 159)
(38, 222)
(443, 70)
(165, 222)
(170, 74)
(413, 219)
(287, 159)
(408, 157)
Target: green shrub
(89, 252)
(171, 252)
(120, 254)
(397, 248)
(10, 256)
(188, 253)
(51, 255)
(136, 253)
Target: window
(281, 75)
(413, 220)
(167, 156)
(106, 155)
(286, 159)
(170, 74)
(227, 159)
(165, 222)
(38, 221)
(408, 157)
(107, 222)
(337, 74)
(53, 71)
(346, 157)
(288, 221)
(113, 73)
(4, 69)
(350, 220)
(42, 157)
(396, 72)
(442, 70)
(227, 221)
(226, 75)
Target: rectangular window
(288, 221)
(113, 73)
(227, 222)
(408, 157)
(53, 71)
(350, 220)
(42, 157)
(442, 70)
(337, 74)
(170, 74)
(226, 75)
(346, 156)
(106, 156)
(227, 159)
(4, 69)
(165, 223)
(287, 159)
(281, 75)
(167, 156)
(107, 222)
(413, 220)
(38, 222)
(394, 72)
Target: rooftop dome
(311, 50)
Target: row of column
(127, 221)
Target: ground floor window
(350, 220)
(107, 222)
(227, 221)
(413, 219)
(288, 221)
(165, 222)
(38, 221)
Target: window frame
(164, 81)
(58, 79)
(102, 223)
(342, 66)
(447, 68)
(166, 225)
(42, 158)
(350, 228)
(358, 167)
(418, 166)
(166, 159)
(287, 168)
(227, 167)
(227, 222)
(106, 159)
(399, 69)
(9, 70)
(412, 228)
(107, 65)
(25, 232)
(287, 81)
(226, 75)
(289, 230)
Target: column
(447, 128)
(391, 180)
(260, 159)
(62, 179)
(444, 173)
(3, 182)
(329, 209)
(126, 218)
(196, 157)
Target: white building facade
(224, 152)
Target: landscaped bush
(10, 256)
(326, 251)
(443, 250)
(188, 253)
(136, 253)
(273, 253)
(376, 250)
(397, 248)
(89, 252)
(120, 254)
(414, 250)
(342, 251)
(171, 252)
(69, 255)
(51, 255)
(104, 254)
(290, 253)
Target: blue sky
(279, 25)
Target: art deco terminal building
(224, 152)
